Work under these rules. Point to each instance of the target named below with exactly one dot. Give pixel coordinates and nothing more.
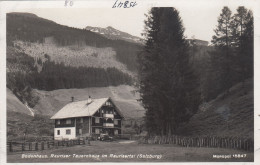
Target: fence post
(36, 146)
(239, 143)
(212, 142)
(10, 147)
(221, 142)
(209, 141)
(22, 146)
(42, 145)
(57, 144)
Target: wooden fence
(43, 145)
(214, 142)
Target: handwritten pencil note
(124, 4)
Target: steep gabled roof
(82, 108)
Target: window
(81, 120)
(97, 131)
(116, 122)
(80, 131)
(58, 122)
(108, 103)
(68, 121)
(68, 132)
(116, 132)
(58, 132)
(97, 120)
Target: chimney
(72, 99)
(89, 100)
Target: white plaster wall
(63, 133)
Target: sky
(198, 21)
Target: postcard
(129, 81)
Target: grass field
(157, 153)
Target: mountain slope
(15, 105)
(33, 29)
(114, 34)
(73, 55)
(229, 114)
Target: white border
(8, 6)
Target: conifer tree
(221, 57)
(243, 34)
(168, 87)
(232, 59)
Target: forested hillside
(73, 55)
(31, 28)
(23, 76)
(42, 54)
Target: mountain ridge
(115, 34)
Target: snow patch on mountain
(112, 33)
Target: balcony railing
(108, 115)
(111, 125)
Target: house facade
(87, 118)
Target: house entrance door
(109, 131)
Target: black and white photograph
(129, 81)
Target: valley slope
(230, 114)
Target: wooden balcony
(108, 115)
(108, 125)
